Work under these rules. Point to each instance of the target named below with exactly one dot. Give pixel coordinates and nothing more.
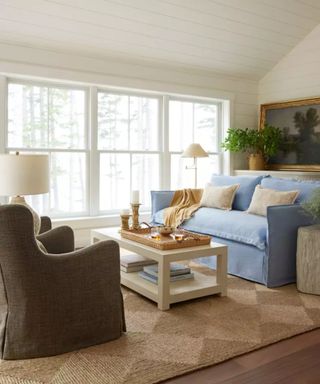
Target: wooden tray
(166, 242)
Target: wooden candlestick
(125, 222)
(135, 215)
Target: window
(50, 119)
(132, 141)
(129, 148)
(193, 122)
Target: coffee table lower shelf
(166, 293)
(201, 285)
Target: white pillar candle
(135, 197)
(125, 212)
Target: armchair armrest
(45, 224)
(85, 284)
(160, 200)
(283, 224)
(58, 240)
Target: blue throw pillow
(306, 187)
(244, 193)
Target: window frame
(158, 152)
(92, 153)
(49, 150)
(196, 100)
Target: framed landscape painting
(299, 122)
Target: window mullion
(165, 181)
(94, 155)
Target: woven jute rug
(191, 335)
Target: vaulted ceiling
(239, 37)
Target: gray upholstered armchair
(54, 303)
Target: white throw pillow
(219, 197)
(265, 197)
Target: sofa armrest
(160, 200)
(283, 224)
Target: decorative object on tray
(260, 145)
(299, 121)
(189, 239)
(134, 262)
(165, 230)
(178, 272)
(135, 204)
(125, 216)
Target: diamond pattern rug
(191, 335)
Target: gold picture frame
(278, 114)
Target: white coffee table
(166, 293)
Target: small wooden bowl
(165, 230)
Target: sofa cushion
(232, 225)
(244, 193)
(265, 197)
(218, 197)
(306, 188)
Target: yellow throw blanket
(183, 205)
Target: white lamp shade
(194, 150)
(24, 174)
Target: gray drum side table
(308, 259)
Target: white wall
(297, 75)
(148, 76)
(31, 62)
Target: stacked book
(134, 263)
(177, 272)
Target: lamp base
(36, 218)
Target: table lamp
(24, 175)
(194, 150)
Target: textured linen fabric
(233, 225)
(58, 240)
(160, 200)
(182, 206)
(265, 197)
(245, 191)
(275, 265)
(52, 304)
(305, 187)
(219, 197)
(45, 224)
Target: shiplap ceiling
(239, 37)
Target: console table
(281, 174)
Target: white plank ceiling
(243, 38)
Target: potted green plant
(312, 206)
(258, 144)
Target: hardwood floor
(292, 361)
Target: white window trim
(85, 150)
(92, 151)
(159, 151)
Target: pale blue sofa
(261, 249)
